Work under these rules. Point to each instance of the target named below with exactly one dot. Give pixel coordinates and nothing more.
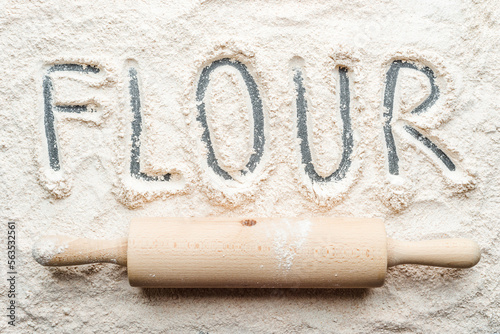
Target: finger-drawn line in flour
(347, 133)
(389, 96)
(49, 108)
(257, 109)
(135, 152)
(430, 145)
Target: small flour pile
(44, 252)
(117, 109)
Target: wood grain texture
(257, 252)
(450, 253)
(61, 250)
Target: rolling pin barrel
(229, 253)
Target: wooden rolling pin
(259, 253)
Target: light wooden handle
(60, 250)
(450, 253)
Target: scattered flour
(46, 248)
(167, 45)
(288, 240)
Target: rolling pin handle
(450, 253)
(60, 250)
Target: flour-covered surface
(116, 109)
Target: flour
(46, 249)
(288, 240)
(136, 145)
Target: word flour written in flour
(256, 108)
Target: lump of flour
(46, 248)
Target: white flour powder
(45, 249)
(108, 107)
(288, 239)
